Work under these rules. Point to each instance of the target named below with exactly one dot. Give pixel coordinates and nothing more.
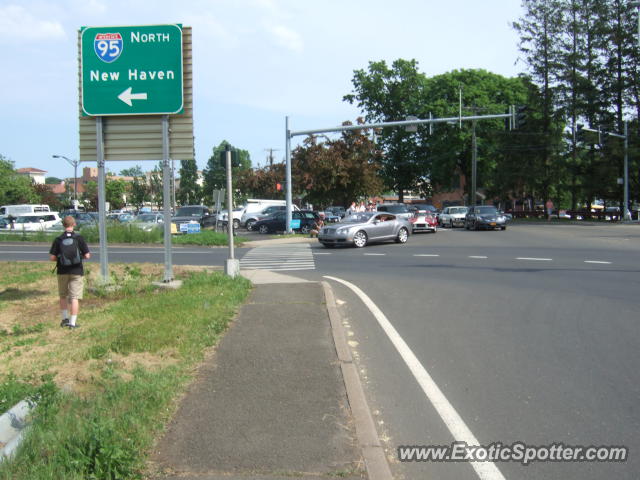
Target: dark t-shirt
(55, 250)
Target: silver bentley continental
(359, 229)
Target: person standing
(68, 251)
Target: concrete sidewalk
(270, 403)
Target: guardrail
(576, 215)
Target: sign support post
(166, 200)
(102, 205)
(232, 266)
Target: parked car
(34, 222)
(484, 216)
(337, 211)
(82, 218)
(259, 211)
(399, 209)
(363, 228)
(191, 213)
(423, 222)
(452, 217)
(223, 217)
(148, 221)
(277, 222)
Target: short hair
(68, 221)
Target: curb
(12, 426)
(372, 451)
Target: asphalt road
(530, 335)
(527, 339)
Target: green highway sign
(132, 70)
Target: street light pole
(75, 176)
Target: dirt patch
(78, 376)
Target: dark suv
(190, 213)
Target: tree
(115, 193)
(541, 30)
(139, 191)
(47, 197)
(156, 191)
(132, 172)
(14, 188)
(52, 181)
(190, 192)
(389, 94)
(262, 182)
(215, 176)
(91, 195)
(337, 172)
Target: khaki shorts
(70, 286)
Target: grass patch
(129, 234)
(206, 237)
(109, 387)
(291, 235)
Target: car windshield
(146, 218)
(359, 217)
(190, 212)
(487, 210)
(458, 210)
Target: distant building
(36, 175)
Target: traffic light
(520, 116)
(235, 159)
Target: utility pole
(270, 157)
(474, 163)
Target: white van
(255, 206)
(34, 222)
(16, 210)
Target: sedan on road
(360, 229)
(484, 216)
(452, 217)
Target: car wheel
(476, 227)
(466, 225)
(328, 245)
(403, 235)
(450, 223)
(305, 229)
(236, 224)
(503, 228)
(249, 224)
(360, 239)
(263, 229)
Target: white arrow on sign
(127, 96)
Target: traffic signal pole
(513, 116)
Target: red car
(423, 221)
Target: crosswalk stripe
(279, 258)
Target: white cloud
(89, 7)
(287, 38)
(17, 24)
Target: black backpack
(69, 251)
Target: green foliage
(132, 172)
(215, 174)
(190, 192)
(14, 188)
(337, 172)
(390, 94)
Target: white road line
(597, 261)
(477, 256)
(374, 254)
(451, 418)
(321, 253)
(425, 255)
(533, 259)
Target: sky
(255, 62)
